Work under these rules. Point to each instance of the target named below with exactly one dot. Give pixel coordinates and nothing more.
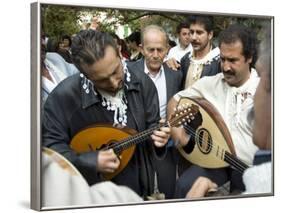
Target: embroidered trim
(214, 54)
(118, 104)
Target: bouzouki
(123, 141)
(211, 144)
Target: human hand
(107, 161)
(173, 64)
(201, 187)
(161, 137)
(179, 136)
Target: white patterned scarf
(117, 103)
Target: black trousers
(166, 172)
(219, 176)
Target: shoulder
(209, 84)
(135, 65)
(211, 80)
(214, 55)
(138, 77)
(67, 87)
(205, 87)
(172, 51)
(136, 68)
(66, 97)
(168, 71)
(186, 57)
(54, 57)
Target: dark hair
(52, 45)
(115, 36)
(172, 43)
(237, 32)
(181, 26)
(68, 38)
(207, 21)
(135, 37)
(88, 46)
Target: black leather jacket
(69, 109)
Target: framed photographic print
(138, 106)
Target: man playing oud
(231, 93)
(104, 92)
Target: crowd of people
(96, 78)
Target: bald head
(154, 29)
(154, 44)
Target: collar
(188, 48)
(250, 84)
(91, 98)
(146, 71)
(214, 54)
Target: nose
(155, 54)
(193, 36)
(114, 83)
(225, 66)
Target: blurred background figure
(184, 46)
(54, 68)
(123, 51)
(134, 41)
(65, 49)
(95, 24)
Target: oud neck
(135, 139)
(233, 161)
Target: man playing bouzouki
(104, 92)
(231, 93)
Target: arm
(56, 135)
(179, 136)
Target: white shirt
(233, 108)
(177, 52)
(160, 82)
(258, 179)
(58, 69)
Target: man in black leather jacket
(104, 92)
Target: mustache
(195, 43)
(228, 72)
(156, 60)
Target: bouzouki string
(229, 158)
(128, 142)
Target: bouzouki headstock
(183, 114)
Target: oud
(211, 144)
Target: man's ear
(249, 60)
(210, 35)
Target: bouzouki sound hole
(204, 140)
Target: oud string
(234, 161)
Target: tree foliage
(59, 20)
